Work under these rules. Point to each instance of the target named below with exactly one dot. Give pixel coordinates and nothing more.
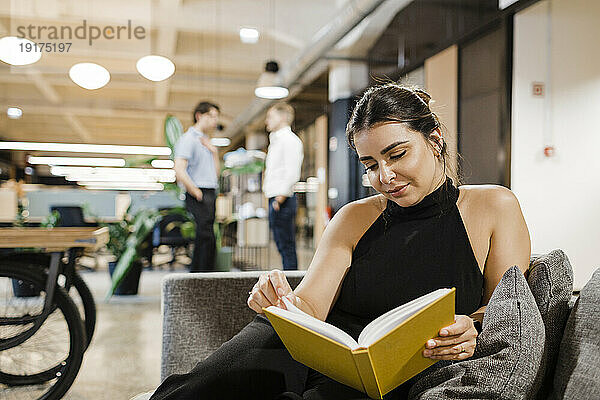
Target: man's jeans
(283, 226)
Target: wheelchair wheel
(45, 365)
(82, 297)
(75, 287)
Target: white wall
(556, 42)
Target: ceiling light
(249, 35)
(121, 186)
(93, 170)
(162, 164)
(89, 75)
(92, 161)
(269, 84)
(114, 174)
(220, 141)
(14, 112)
(18, 51)
(109, 178)
(155, 68)
(101, 177)
(86, 148)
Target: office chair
(167, 232)
(72, 216)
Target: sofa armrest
(201, 311)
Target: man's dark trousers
(283, 226)
(204, 244)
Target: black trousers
(283, 226)
(255, 364)
(204, 216)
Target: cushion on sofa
(201, 311)
(550, 279)
(577, 373)
(508, 354)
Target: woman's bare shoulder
(368, 206)
(489, 197)
(354, 218)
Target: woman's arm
(319, 288)
(509, 242)
(509, 245)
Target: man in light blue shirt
(196, 166)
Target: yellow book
(388, 352)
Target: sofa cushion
(201, 311)
(550, 279)
(577, 373)
(508, 354)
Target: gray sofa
(201, 311)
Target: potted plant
(127, 240)
(224, 254)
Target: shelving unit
(249, 234)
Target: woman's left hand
(455, 342)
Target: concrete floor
(124, 356)
(123, 359)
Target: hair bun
(423, 95)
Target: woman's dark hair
(394, 103)
(204, 107)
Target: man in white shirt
(282, 171)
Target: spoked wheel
(77, 288)
(45, 364)
(82, 297)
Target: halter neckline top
(439, 201)
(406, 253)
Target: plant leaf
(173, 131)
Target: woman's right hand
(271, 287)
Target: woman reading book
(419, 234)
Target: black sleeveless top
(406, 253)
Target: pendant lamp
(269, 85)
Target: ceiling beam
(166, 46)
(78, 127)
(197, 17)
(102, 112)
(44, 87)
(158, 131)
(93, 111)
(179, 84)
(53, 97)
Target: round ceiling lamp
(89, 75)
(155, 68)
(269, 83)
(14, 112)
(18, 51)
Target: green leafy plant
(51, 220)
(126, 239)
(173, 131)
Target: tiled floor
(124, 356)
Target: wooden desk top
(56, 239)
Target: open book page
(383, 324)
(301, 318)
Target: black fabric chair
(71, 216)
(167, 233)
